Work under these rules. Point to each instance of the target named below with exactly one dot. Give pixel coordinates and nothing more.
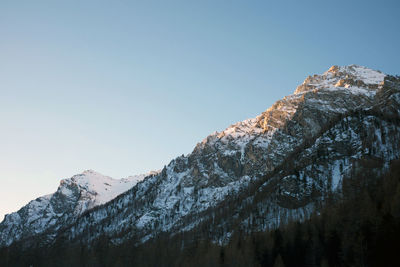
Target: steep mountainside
(296, 152)
(73, 197)
(264, 171)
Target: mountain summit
(254, 175)
(352, 77)
(73, 197)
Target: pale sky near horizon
(123, 87)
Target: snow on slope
(101, 188)
(74, 196)
(226, 162)
(354, 79)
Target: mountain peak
(92, 173)
(89, 171)
(280, 164)
(353, 82)
(367, 75)
(351, 76)
(74, 196)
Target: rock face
(73, 197)
(270, 169)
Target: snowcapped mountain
(258, 173)
(73, 197)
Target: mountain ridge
(206, 176)
(73, 197)
(296, 152)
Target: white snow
(93, 189)
(103, 188)
(352, 90)
(165, 199)
(329, 80)
(368, 76)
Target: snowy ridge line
(254, 186)
(74, 196)
(253, 158)
(228, 148)
(279, 175)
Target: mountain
(73, 197)
(259, 173)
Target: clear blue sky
(122, 87)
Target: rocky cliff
(264, 171)
(73, 197)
